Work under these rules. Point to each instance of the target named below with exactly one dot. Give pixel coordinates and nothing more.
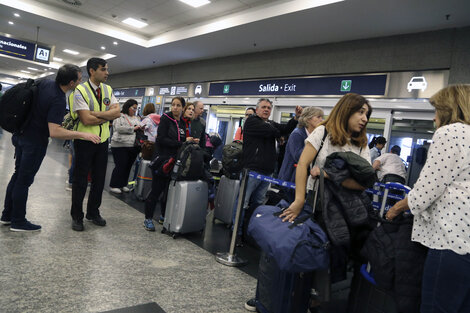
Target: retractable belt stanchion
(230, 258)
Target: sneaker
(161, 219)
(77, 225)
(148, 225)
(250, 305)
(115, 190)
(25, 226)
(68, 187)
(125, 189)
(5, 221)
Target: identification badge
(106, 101)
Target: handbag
(147, 150)
(301, 246)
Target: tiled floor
(104, 268)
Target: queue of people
(438, 202)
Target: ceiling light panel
(57, 59)
(196, 3)
(73, 52)
(134, 23)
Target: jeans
(94, 157)
(255, 193)
(124, 158)
(446, 282)
(29, 155)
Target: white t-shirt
(440, 199)
(390, 163)
(328, 148)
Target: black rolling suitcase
(280, 291)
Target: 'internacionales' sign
(24, 50)
(371, 85)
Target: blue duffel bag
(301, 246)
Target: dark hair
(377, 140)
(66, 74)
(94, 63)
(0, 86)
(181, 99)
(396, 149)
(250, 108)
(337, 122)
(127, 105)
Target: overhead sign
(129, 92)
(43, 54)
(198, 90)
(371, 85)
(24, 50)
(176, 90)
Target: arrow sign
(346, 85)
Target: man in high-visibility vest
(94, 104)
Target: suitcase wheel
(174, 235)
(163, 230)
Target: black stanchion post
(230, 258)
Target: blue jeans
(29, 154)
(255, 194)
(446, 282)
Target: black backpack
(16, 106)
(232, 159)
(191, 159)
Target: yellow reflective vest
(89, 95)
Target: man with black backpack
(45, 119)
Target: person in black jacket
(170, 136)
(259, 151)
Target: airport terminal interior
(226, 54)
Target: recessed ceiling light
(11, 23)
(57, 59)
(71, 51)
(103, 48)
(8, 35)
(16, 14)
(196, 3)
(27, 72)
(134, 23)
(33, 69)
(115, 43)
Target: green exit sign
(346, 85)
(226, 88)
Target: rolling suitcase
(225, 198)
(186, 207)
(143, 184)
(280, 291)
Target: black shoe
(97, 220)
(77, 225)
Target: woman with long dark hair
(171, 134)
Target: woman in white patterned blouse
(440, 203)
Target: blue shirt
(48, 108)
